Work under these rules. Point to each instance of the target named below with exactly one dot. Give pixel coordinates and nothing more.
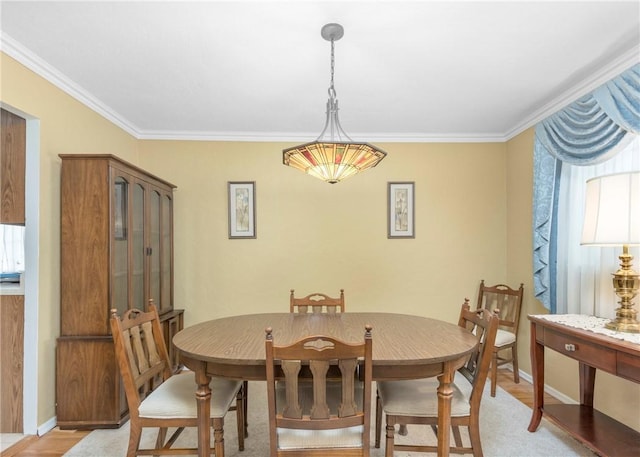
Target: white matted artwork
(401, 210)
(242, 209)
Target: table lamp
(612, 218)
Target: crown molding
(287, 137)
(34, 63)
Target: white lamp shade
(612, 210)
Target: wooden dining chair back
(416, 401)
(317, 303)
(321, 417)
(157, 397)
(507, 303)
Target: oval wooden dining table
(404, 347)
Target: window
(12, 256)
(584, 281)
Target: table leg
(537, 373)
(445, 394)
(203, 399)
(587, 383)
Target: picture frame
(401, 209)
(242, 210)
(120, 211)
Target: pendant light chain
(332, 90)
(332, 124)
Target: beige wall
(472, 223)
(314, 236)
(66, 126)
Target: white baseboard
(548, 389)
(47, 426)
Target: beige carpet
(503, 427)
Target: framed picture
(120, 211)
(242, 209)
(401, 210)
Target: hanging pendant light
(333, 156)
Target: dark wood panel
(12, 168)
(598, 431)
(84, 250)
(11, 362)
(123, 164)
(628, 367)
(87, 397)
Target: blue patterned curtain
(588, 131)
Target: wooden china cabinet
(116, 251)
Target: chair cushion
(350, 437)
(419, 397)
(176, 398)
(504, 337)
(313, 439)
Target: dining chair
(156, 396)
(317, 303)
(318, 418)
(507, 303)
(416, 401)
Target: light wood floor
(57, 442)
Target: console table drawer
(581, 350)
(628, 367)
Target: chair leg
(390, 440)
(218, 437)
(456, 435)
(494, 373)
(378, 421)
(514, 356)
(134, 439)
(162, 435)
(474, 435)
(240, 420)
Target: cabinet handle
(570, 347)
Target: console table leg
(537, 373)
(587, 382)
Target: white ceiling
(259, 70)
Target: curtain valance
(588, 131)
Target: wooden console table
(593, 351)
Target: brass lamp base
(620, 326)
(625, 282)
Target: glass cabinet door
(167, 254)
(120, 245)
(154, 251)
(138, 247)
